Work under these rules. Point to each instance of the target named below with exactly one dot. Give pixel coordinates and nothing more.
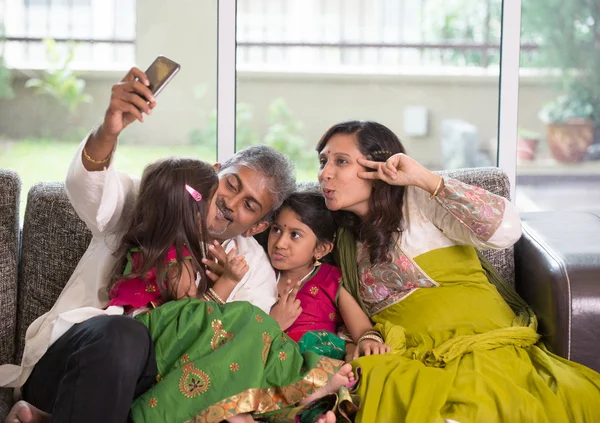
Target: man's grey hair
(271, 163)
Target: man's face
(242, 201)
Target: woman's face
(338, 176)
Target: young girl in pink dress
(302, 234)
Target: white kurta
(103, 200)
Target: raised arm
(466, 214)
(96, 190)
(470, 215)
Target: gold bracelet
(89, 159)
(216, 296)
(437, 189)
(371, 336)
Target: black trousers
(94, 371)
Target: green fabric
(323, 343)
(346, 256)
(215, 361)
(460, 352)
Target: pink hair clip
(195, 194)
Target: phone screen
(160, 72)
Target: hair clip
(195, 194)
(381, 153)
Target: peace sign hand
(400, 170)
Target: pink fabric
(140, 292)
(318, 298)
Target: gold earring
(317, 262)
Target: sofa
(555, 266)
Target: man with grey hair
(80, 364)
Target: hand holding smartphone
(160, 73)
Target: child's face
(217, 226)
(291, 242)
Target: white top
(102, 200)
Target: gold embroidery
(209, 309)
(258, 318)
(221, 336)
(314, 290)
(150, 288)
(193, 382)
(234, 367)
(185, 358)
(153, 402)
(332, 316)
(265, 351)
(282, 355)
(158, 378)
(265, 400)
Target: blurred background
(428, 69)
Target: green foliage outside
(59, 81)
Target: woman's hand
(370, 347)
(400, 170)
(288, 308)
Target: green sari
(461, 353)
(216, 361)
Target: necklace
(301, 280)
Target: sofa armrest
(557, 272)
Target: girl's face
(338, 176)
(292, 244)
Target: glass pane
(559, 111)
(46, 113)
(429, 70)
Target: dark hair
(383, 223)
(310, 207)
(166, 215)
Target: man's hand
(130, 98)
(287, 309)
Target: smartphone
(160, 72)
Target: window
(41, 128)
(558, 148)
(103, 32)
(371, 35)
(429, 70)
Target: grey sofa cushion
(10, 190)
(54, 239)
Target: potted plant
(527, 144)
(568, 32)
(570, 127)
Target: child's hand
(370, 347)
(235, 267)
(287, 309)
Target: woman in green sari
(407, 251)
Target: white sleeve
(99, 197)
(259, 285)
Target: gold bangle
(216, 296)
(437, 189)
(89, 159)
(371, 336)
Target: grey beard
(217, 233)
